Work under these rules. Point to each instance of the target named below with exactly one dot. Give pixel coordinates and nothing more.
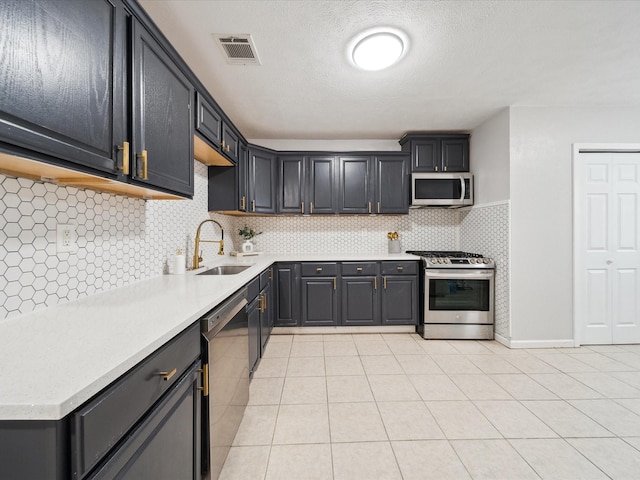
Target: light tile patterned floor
(378, 406)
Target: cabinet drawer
(102, 422)
(399, 268)
(359, 268)
(253, 288)
(265, 277)
(312, 269)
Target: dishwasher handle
(217, 319)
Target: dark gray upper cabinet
(291, 184)
(208, 121)
(392, 183)
(242, 169)
(261, 180)
(227, 190)
(163, 127)
(287, 288)
(62, 81)
(322, 186)
(230, 142)
(355, 184)
(437, 152)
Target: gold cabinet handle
(435, 168)
(222, 144)
(227, 148)
(205, 379)
(253, 205)
(378, 207)
(310, 207)
(263, 303)
(167, 375)
(242, 203)
(144, 158)
(384, 282)
(445, 168)
(358, 269)
(302, 208)
(125, 158)
(375, 283)
(319, 270)
(369, 207)
(334, 283)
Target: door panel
(607, 258)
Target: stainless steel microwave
(445, 190)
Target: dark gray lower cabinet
(287, 295)
(360, 301)
(319, 301)
(266, 309)
(253, 315)
(399, 294)
(166, 445)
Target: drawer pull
(167, 375)
(399, 268)
(319, 269)
(358, 269)
(205, 379)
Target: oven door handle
(459, 274)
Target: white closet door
(607, 229)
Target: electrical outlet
(66, 238)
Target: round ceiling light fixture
(378, 48)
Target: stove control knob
(472, 260)
(432, 260)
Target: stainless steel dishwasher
(226, 350)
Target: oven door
(459, 296)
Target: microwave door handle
(464, 189)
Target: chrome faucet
(197, 258)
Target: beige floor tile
(631, 348)
(418, 364)
(437, 347)
(271, 367)
(373, 348)
(607, 385)
(399, 337)
(530, 364)
(630, 378)
(307, 349)
(343, 366)
(471, 347)
(492, 460)
(612, 455)
(564, 386)
(565, 419)
(428, 460)
(381, 365)
(611, 415)
(335, 349)
(556, 459)
(275, 338)
(257, 426)
(367, 337)
(308, 337)
(266, 391)
(302, 424)
(277, 349)
(523, 387)
(605, 348)
(436, 387)
(299, 390)
(246, 463)
(497, 348)
(338, 337)
(392, 388)
(492, 364)
(480, 387)
(633, 441)
(355, 422)
(364, 461)
(566, 363)
(628, 358)
(513, 420)
(603, 363)
(349, 389)
(462, 420)
(455, 364)
(632, 404)
(409, 421)
(300, 462)
(405, 347)
(305, 367)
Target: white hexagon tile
(122, 240)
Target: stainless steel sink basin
(225, 270)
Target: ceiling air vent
(238, 49)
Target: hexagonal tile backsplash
(122, 240)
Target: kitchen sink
(225, 270)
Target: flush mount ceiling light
(378, 48)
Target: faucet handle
(200, 257)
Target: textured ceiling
(467, 60)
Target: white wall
(541, 210)
(489, 153)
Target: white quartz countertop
(54, 360)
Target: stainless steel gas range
(458, 295)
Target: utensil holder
(394, 246)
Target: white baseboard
(569, 343)
(500, 339)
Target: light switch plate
(66, 238)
